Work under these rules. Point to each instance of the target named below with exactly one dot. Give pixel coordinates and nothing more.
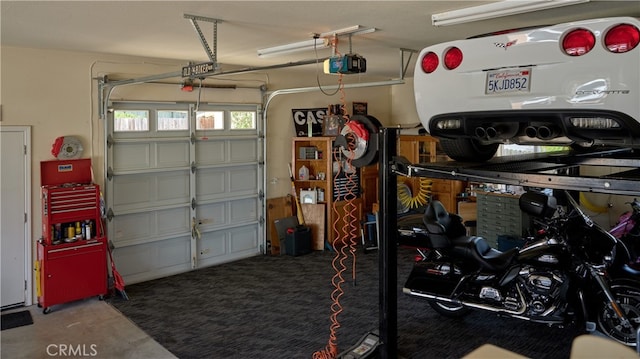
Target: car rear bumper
(548, 127)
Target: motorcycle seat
(438, 221)
(447, 230)
(479, 250)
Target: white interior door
(15, 244)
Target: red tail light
(430, 62)
(452, 58)
(622, 38)
(578, 42)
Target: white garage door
(184, 186)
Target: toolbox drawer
(73, 249)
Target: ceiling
(159, 29)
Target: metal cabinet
(72, 253)
(499, 215)
(71, 271)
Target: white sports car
(572, 84)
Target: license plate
(501, 81)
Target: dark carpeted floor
(279, 307)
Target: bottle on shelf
(78, 230)
(87, 229)
(58, 232)
(303, 173)
(71, 231)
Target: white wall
(403, 104)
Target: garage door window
(243, 120)
(210, 120)
(173, 120)
(130, 120)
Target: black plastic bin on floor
(298, 241)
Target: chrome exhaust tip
(492, 132)
(480, 132)
(547, 133)
(531, 132)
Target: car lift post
(388, 252)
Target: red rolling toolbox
(72, 253)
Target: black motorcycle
(570, 271)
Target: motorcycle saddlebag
(434, 278)
(538, 204)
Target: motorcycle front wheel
(451, 310)
(628, 297)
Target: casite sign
(302, 118)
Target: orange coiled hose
(344, 242)
(331, 350)
(350, 209)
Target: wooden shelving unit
(316, 154)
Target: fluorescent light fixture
(351, 30)
(294, 47)
(497, 9)
(322, 42)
